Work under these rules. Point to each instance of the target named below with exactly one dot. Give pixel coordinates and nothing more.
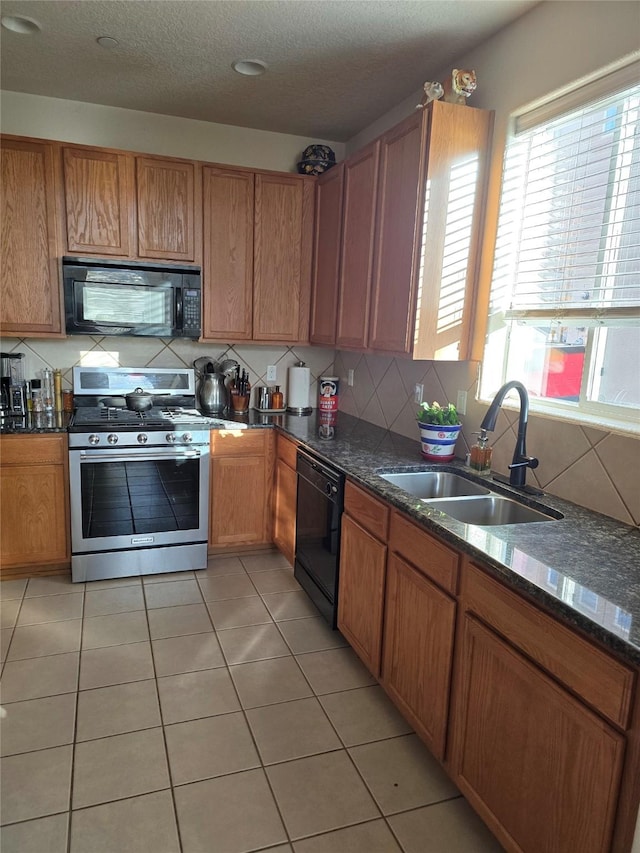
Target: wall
(112, 127)
(132, 130)
(159, 352)
(546, 49)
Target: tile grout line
(162, 723)
(75, 722)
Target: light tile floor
(205, 711)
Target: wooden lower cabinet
(540, 768)
(418, 650)
(361, 592)
(285, 497)
(240, 488)
(34, 499)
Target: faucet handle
(525, 462)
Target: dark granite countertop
(35, 424)
(584, 568)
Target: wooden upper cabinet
(166, 196)
(30, 294)
(358, 232)
(402, 162)
(413, 206)
(326, 260)
(283, 235)
(99, 201)
(228, 254)
(452, 222)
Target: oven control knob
(112, 438)
(171, 437)
(143, 438)
(187, 438)
(94, 439)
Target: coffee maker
(12, 385)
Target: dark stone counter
(585, 568)
(36, 424)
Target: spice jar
(277, 398)
(57, 389)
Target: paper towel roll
(298, 391)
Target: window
(564, 314)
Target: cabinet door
(238, 500)
(228, 254)
(284, 520)
(360, 191)
(398, 229)
(541, 769)
(99, 201)
(34, 520)
(326, 264)
(30, 295)
(452, 222)
(418, 650)
(282, 257)
(361, 592)
(166, 209)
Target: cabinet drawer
(32, 450)
(286, 450)
(372, 514)
(598, 678)
(239, 442)
(429, 556)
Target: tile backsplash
(589, 466)
(160, 352)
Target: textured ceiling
(334, 65)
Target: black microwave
(106, 297)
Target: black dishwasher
(320, 502)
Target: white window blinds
(568, 245)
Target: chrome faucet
(520, 461)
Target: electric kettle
(213, 393)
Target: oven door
(128, 498)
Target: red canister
(328, 394)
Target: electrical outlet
(272, 373)
(418, 391)
(350, 376)
(461, 404)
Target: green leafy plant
(434, 413)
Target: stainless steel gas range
(139, 481)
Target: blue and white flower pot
(438, 442)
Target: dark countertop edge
(624, 648)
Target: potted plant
(439, 430)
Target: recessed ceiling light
(249, 67)
(107, 41)
(18, 24)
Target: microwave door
(127, 309)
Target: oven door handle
(136, 456)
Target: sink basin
(434, 484)
(490, 510)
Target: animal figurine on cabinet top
(462, 84)
(432, 91)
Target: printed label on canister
(328, 396)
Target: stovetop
(101, 418)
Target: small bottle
(57, 389)
(277, 398)
(481, 453)
(47, 389)
(37, 401)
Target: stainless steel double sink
(466, 500)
